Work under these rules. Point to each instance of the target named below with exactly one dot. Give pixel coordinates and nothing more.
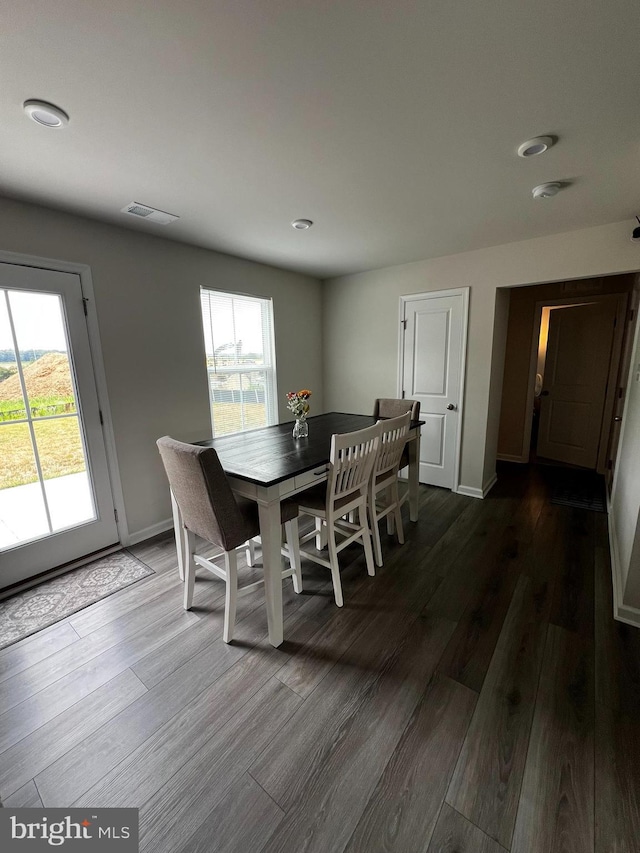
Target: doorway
(56, 503)
(577, 360)
(565, 371)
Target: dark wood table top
(270, 455)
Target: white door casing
(433, 336)
(622, 380)
(576, 374)
(49, 551)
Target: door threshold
(554, 463)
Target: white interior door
(575, 382)
(56, 503)
(432, 368)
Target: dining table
(268, 465)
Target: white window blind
(239, 346)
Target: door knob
(617, 419)
(451, 407)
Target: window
(238, 337)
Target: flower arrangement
(297, 402)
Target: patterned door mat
(30, 611)
(581, 489)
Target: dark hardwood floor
(476, 696)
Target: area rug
(581, 489)
(37, 608)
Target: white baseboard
(470, 492)
(621, 611)
(473, 492)
(149, 532)
(493, 479)
(630, 615)
(508, 457)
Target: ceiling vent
(143, 211)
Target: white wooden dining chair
(209, 509)
(346, 490)
(384, 479)
(390, 407)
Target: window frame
(269, 370)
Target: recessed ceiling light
(546, 190)
(302, 224)
(46, 114)
(536, 146)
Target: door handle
(451, 407)
(617, 419)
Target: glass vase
(301, 427)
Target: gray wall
(147, 299)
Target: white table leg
(178, 529)
(414, 476)
(271, 536)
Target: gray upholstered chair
(210, 510)
(390, 407)
(393, 438)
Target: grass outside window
(59, 446)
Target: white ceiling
(392, 124)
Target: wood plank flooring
(476, 696)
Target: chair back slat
(393, 437)
(352, 459)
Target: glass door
(55, 496)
